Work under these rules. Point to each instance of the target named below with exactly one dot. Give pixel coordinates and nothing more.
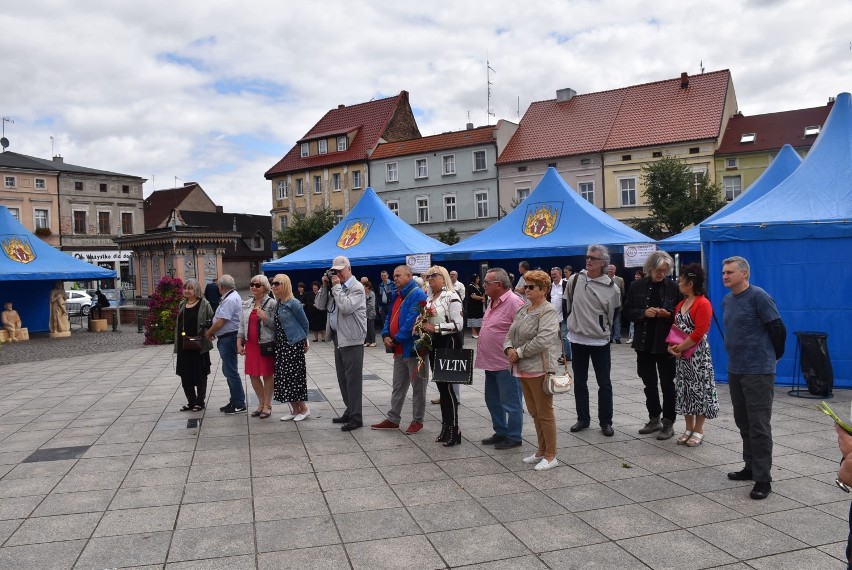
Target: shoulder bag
(555, 384)
(188, 342)
(266, 348)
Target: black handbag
(188, 342)
(266, 348)
(453, 366)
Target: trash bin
(816, 362)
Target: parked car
(78, 302)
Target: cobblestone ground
(80, 343)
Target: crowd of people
(524, 331)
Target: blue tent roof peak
(369, 234)
(554, 220)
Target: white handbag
(555, 384)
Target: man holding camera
(343, 297)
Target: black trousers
(194, 388)
(650, 367)
(449, 399)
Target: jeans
(228, 353)
(600, 357)
(563, 334)
(647, 366)
(615, 333)
(503, 398)
(751, 397)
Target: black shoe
(618, 341)
(744, 475)
(444, 436)
(607, 430)
(493, 439)
(226, 406)
(340, 420)
(349, 426)
(761, 490)
(508, 444)
(579, 426)
(455, 437)
(235, 410)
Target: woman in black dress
(475, 308)
(193, 366)
(316, 317)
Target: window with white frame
(697, 177)
(627, 190)
(393, 206)
(16, 213)
(103, 223)
(282, 190)
(356, 179)
(40, 183)
(80, 222)
(733, 186)
(450, 208)
(300, 187)
(40, 218)
(481, 199)
(423, 210)
(305, 149)
(479, 161)
(127, 223)
(587, 191)
(421, 168)
(9, 181)
(449, 163)
(521, 194)
(341, 143)
(338, 216)
(335, 182)
(282, 222)
(730, 163)
(323, 146)
(317, 184)
(392, 171)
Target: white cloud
(216, 92)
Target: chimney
(185, 184)
(469, 126)
(58, 158)
(684, 80)
(219, 209)
(566, 94)
(341, 106)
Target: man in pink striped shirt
(502, 390)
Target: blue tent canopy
(787, 161)
(28, 269)
(553, 221)
(798, 241)
(369, 235)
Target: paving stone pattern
(99, 469)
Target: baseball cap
(340, 262)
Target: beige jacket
(532, 333)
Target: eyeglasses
(276, 283)
(253, 284)
(433, 275)
(488, 282)
(529, 287)
(593, 258)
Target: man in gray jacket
(592, 300)
(343, 297)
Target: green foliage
(674, 198)
(163, 308)
(449, 237)
(304, 230)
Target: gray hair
(657, 259)
(741, 262)
(196, 287)
(264, 281)
(227, 282)
(601, 249)
(501, 277)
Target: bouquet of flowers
(422, 338)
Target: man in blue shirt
(754, 339)
(226, 323)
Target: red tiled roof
(160, 204)
(370, 118)
(772, 130)
(444, 141)
(636, 116)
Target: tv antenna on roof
(488, 70)
(4, 142)
(701, 65)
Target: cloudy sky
(217, 91)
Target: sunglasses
(253, 284)
(433, 275)
(529, 287)
(593, 258)
(276, 283)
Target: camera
(329, 274)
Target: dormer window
(257, 242)
(812, 131)
(748, 137)
(341, 143)
(323, 146)
(305, 150)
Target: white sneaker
(533, 458)
(287, 417)
(544, 464)
(301, 417)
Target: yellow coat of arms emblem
(541, 219)
(353, 233)
(18, 249)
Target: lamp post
(117, 317)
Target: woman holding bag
(444, 321)
(694, 382)
(257, 327)
(191, 347)
(291, 344)
(532, 341)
